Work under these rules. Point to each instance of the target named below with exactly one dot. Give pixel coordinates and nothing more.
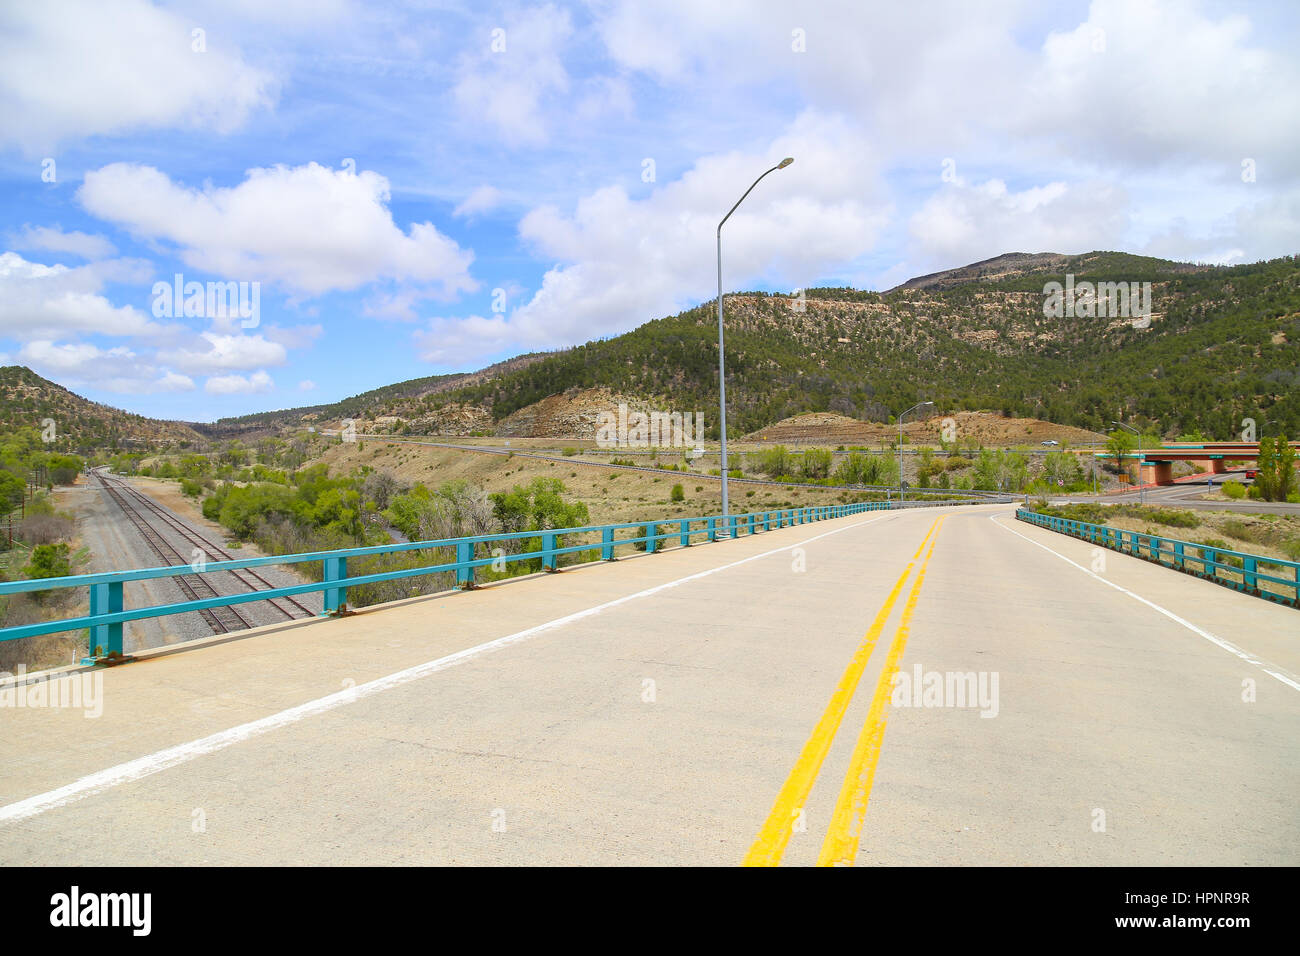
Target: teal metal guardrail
(1234, 569)
(108, 611)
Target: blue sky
(430, 187)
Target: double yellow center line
(841, 841)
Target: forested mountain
(1013, 265)
(74, 423)
(1222, 344)
(401, 398)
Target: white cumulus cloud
(623, 261)
(481, 200)
(238, 384)
(219, 352)
(40, 301)
(962, 223)
(509, 86)
(312, 228)
(54, 239)
(71, 69)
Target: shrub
(771, 461)
(1238, 529)
(1234, 489)
(679, 494)
(1174, 519)
(41, 528)
(48, 561)
(816, 463)
(570, 452)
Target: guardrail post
(549, 540)
(751, 522)
(686, 534)
(650, 534)
(713, 529)
(732, 526)
(464, 573)
(1178, 555)
(607, 544)
(106, 599)
(336, 569)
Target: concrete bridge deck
(711, 705)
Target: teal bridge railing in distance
(1251, 573)
(107, 611)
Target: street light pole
(722, 365)
(1142, 497)
(900, 445)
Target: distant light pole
(722, 367)
(1142, 497)
(900, 445)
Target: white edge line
(181, 753)
(1272, 670)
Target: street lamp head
(785, 162)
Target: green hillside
(75, 423)
(1223, 344)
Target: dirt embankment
(568, 415)
(828, 428)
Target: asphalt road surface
(724, 704)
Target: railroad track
(143, 512)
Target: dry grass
(611, 495)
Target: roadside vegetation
(37, 540)
(1268, 535)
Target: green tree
(11, 490)
(1275, 477)
(48, 561)
(816, 463)
(1120, 444)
